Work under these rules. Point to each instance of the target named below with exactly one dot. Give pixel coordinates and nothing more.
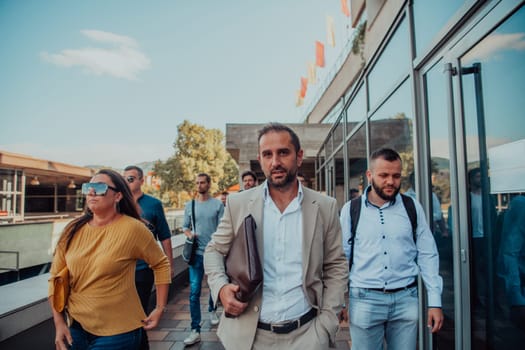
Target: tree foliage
(197, 150)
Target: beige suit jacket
(325, 269)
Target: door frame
(474, 30)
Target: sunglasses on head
(99, 188)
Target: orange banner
(304, 85)
(319, 54)
(344, 8)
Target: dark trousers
(144, 283)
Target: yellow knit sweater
(101, 263)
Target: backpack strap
(410, 208)
(355, 212)
(193, 215)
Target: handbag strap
(193, 215)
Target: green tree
(231, 174)
(197, 150)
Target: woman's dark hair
(126, 206)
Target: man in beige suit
(299, 241)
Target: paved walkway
(175, 325)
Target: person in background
(354, 193)
(512, 254)
(302, 179)
(224, 196)
(152, 212)
(437, 214)
(100, 249)
(249, 180)
(299, 241)
(386, 262)
(208, 212)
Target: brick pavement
(175, 325)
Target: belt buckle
(284, 328)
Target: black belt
(287, 327)
(395, 290)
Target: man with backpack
(388, 243)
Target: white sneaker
(214, 319)
(193, 338)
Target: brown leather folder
(243, 265)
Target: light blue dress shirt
(385, 255)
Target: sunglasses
(131, 179)
(99, 188)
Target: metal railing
(17, 268)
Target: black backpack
(355, 211)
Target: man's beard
(283, 183)
(382, 194)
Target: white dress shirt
(283, 296)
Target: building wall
(438, 85)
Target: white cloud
(124, 60)
(107, 37)
(494, 44)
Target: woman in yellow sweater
(100, 250)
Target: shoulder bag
(61, 289)
(190, 245)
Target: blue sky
(107, 82)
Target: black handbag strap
(193, 215)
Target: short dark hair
(226, 193)
(387, 154)
(472, 172)
(208, 178)
(278, 127)
(249, 173)
(134, 167)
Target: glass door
(438, 188)
(488, 144)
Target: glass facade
(430, 18)
(455, 117)
(384, 76)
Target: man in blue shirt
(208, 213)
(387, 259)
(153, 213)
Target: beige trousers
(309, 336)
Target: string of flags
(311, 77)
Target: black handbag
(190, 245)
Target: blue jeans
(376, 317)
(83, 340)
(196, 275)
